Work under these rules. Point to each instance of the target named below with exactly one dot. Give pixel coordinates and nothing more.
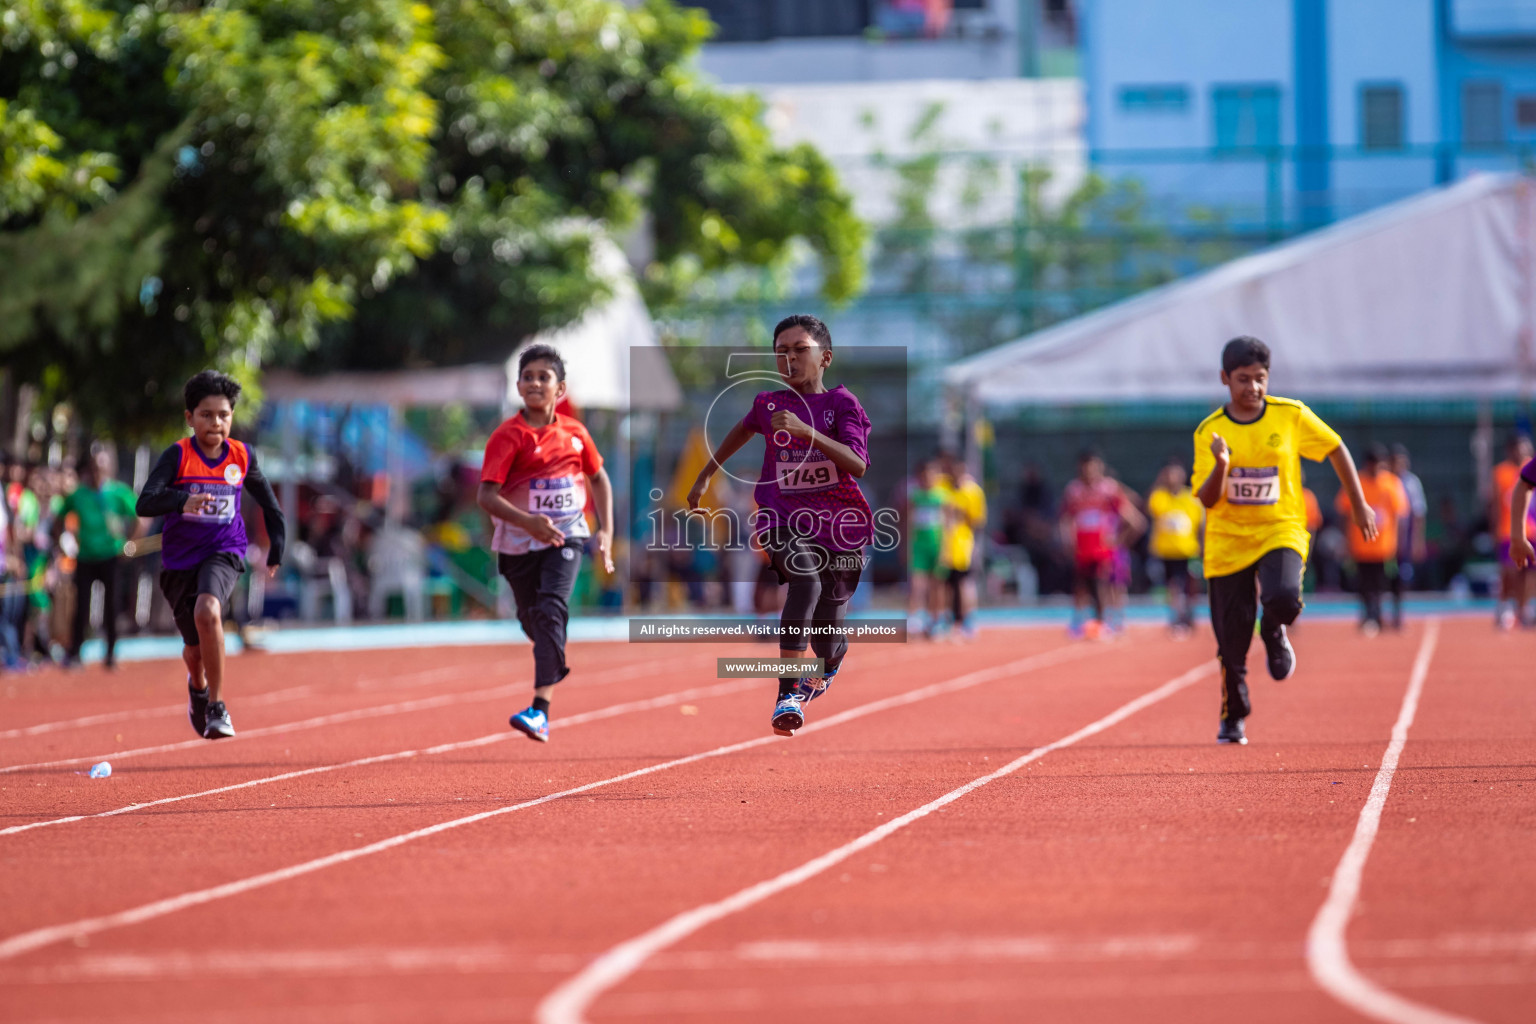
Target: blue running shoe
(531, 723)
(811, 687)
(788, 714)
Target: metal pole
(1274, 208)
(290, 440)
(1029, 57)
(395, 504)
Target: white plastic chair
(397, 563)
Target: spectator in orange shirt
(1376, 556)
(1314, 511)
(1316, 556)
(1514, 582)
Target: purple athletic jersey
(190, 539)
(799, 486)
(1528, 473)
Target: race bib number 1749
(807, 476)
(1253, 485)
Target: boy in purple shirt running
(812, 519)
(197, 485)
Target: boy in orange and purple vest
(197, 486)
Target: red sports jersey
(542, 470)
(1095, 512)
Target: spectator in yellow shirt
(1177, 517)
(965, 515)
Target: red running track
(376, 846)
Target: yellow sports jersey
(1176, 519)
(970, 513)
(1262, 508)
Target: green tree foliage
(362, 182)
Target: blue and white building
(1286, 114)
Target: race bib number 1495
(555, 497)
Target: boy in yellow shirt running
(1248, 476)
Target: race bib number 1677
(1253, 485)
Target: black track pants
(541, 585)
(1274, 582)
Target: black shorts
(215, 575)
(956, 575)
(793, 557)
(1175, 570)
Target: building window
(1154, 99)
(1525, 113)
(739, 21)
(1247, 116)
(1381, 117)
(1482, 114)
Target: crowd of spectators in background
(1433, 546)
(76, 561)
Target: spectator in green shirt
(105, 518)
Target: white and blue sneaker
(531, 723)
(217, 725)
(788, 714)
(810, 687)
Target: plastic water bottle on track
(100, 770)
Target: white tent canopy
(1430, 297)
(478, 384)
(609, 345)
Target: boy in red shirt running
(534, 487)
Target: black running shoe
(1281, 655)
(218, 726)
(197, 708)
(1231, 731)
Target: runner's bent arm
(841, 455)
(159, 498)
(1519, 506)
(602, 498)
(271, 510)
(1133, 523)
(1365, 517)
(539, 526)
(739, 435)
(1215, 485)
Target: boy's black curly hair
(210, 382)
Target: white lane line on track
(568, 1003)
(356, 714)
(496, 958)
(1327, 946)
(270, 697)
(163, 711)
(38, 938)
(298, 692)
(580, 718)
(565, 720)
